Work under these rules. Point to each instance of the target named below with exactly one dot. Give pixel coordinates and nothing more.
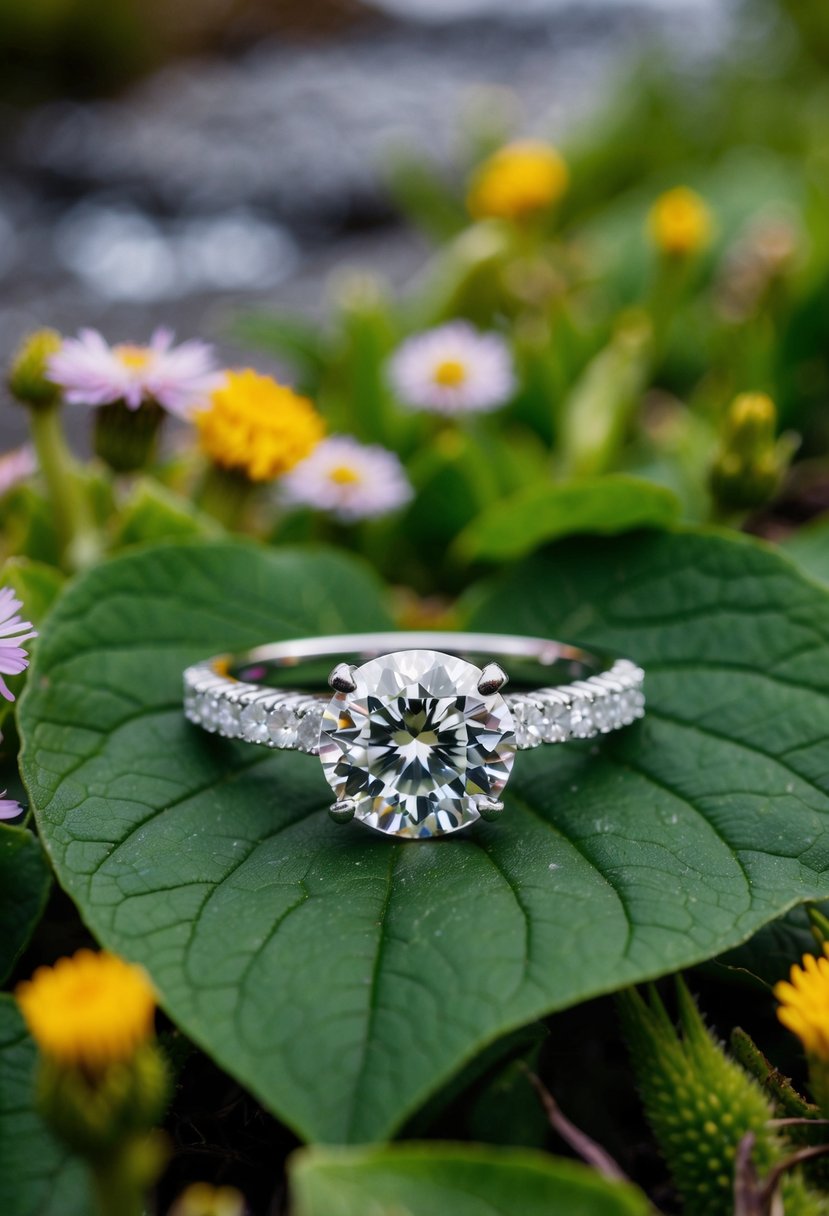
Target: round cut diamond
(415, 743)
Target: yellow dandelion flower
(518, 180)
(679, 222)
(258, 427)
(804, 1003)
(89, 1011)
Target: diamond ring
(418, 739)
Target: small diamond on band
(416, 741)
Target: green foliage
(218, 870)
(154, 513)
(453, 1180)
(809, 548)
(36, 584)
(37, 1177)
(358, 985)
(547, 512)
(700, 1104)
(24, 887)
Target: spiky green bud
(28, 381)
(701, 1104)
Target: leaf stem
(225, 495)
(79, 541)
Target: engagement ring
(417, 739)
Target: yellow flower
(89, 1011)
(679, 222)
(257, 426)
(804, 1003)
(518, 180)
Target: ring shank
(366, 646)
(226, 695)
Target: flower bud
(93, 1114)
(202, 1199)
(125, 438)
(102, 1080)
(28, 381)
(679, 223)
(701, 1105)
(519, 180)
(747, 470)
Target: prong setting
(341, 678)
(493, 678)
(489, 809)
(343, 811)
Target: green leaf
(809, 548)
(453, 1180)
(154, 513)
(24, 887)
(37, 1176)
(344, 977)
(35, 584)
(768, 956)
(599, 407)
(29, 525)
(546, 512)
(301, 343)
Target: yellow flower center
(804, 1003)
(258, 427)
(89, 1011)
(134, 358)
(518, 180)
(342, 475)
(679, 222)
(450, 373)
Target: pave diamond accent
(415, 744)
(581, 710)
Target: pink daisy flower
(16, 466)
(91, 372)
(348, 479)
(454, 369)
(13, 631)
(9, 809)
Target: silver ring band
(226, 695)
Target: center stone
(415, 744)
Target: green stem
(79, 541)
(114, 1187)
(225, 495)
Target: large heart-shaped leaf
(344, 977)
(453, 1180)
(24, 886)
(37, 1176)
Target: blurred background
(170, 163)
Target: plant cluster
(609, 350)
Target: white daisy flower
(454, 369)
(13, 632)
(91, 372)
(348, 479)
